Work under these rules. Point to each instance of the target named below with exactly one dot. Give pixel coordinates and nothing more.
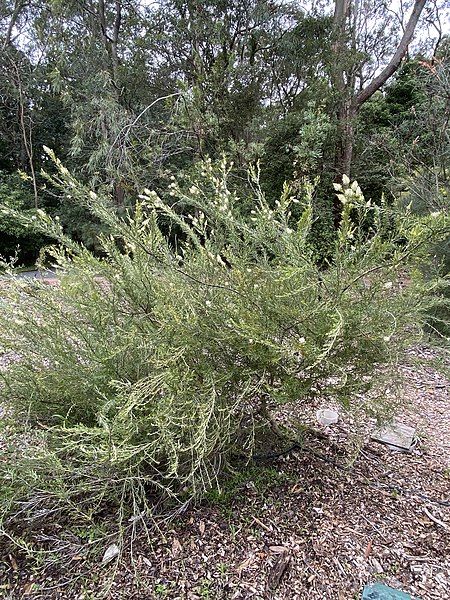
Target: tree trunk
(343, 151)
(344, 146)
(343, 81)
(396, 59)
(18, 6)
(27, 136)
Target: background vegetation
(127, 94)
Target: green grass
(259, 478)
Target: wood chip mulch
(301, 528)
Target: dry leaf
(247, 562)
(146, 561)
(28, 587)
(110, 553)
(201, 527)
(176, 547)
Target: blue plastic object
(378, 591)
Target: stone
(397, 436)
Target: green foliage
(403, 138)
(297, 148)
(142, 373)
(15, 237)
(312, 136)
(423, 176)
(261, 479)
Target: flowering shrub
(148, 367)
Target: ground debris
(279, 569)
(301, 529)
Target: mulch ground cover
(314, 523)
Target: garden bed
(297, 527)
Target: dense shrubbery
(145, 371)
(15, 238)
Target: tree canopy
(128, 93)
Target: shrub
(15, 238)
(147, 369)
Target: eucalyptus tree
(221, 52)
(369, 47)
(128, 91)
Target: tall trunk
(343, 81)
(397, 57)
(344, 146)
(343, 150)
(343, 95)
(18, 6)
(343, 98)
(110, 40)
(119, 193)
(114, 42)
(27, 135)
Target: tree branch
(395, 61)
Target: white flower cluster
(264, 212)
(223, 202)
(152, 198)
(199, 223)
(349, 193)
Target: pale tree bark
(27, 134)
(349, 102)
(397, 57)
(343, 87)
(115, 39)
(110, 39)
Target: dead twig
(434, 519)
